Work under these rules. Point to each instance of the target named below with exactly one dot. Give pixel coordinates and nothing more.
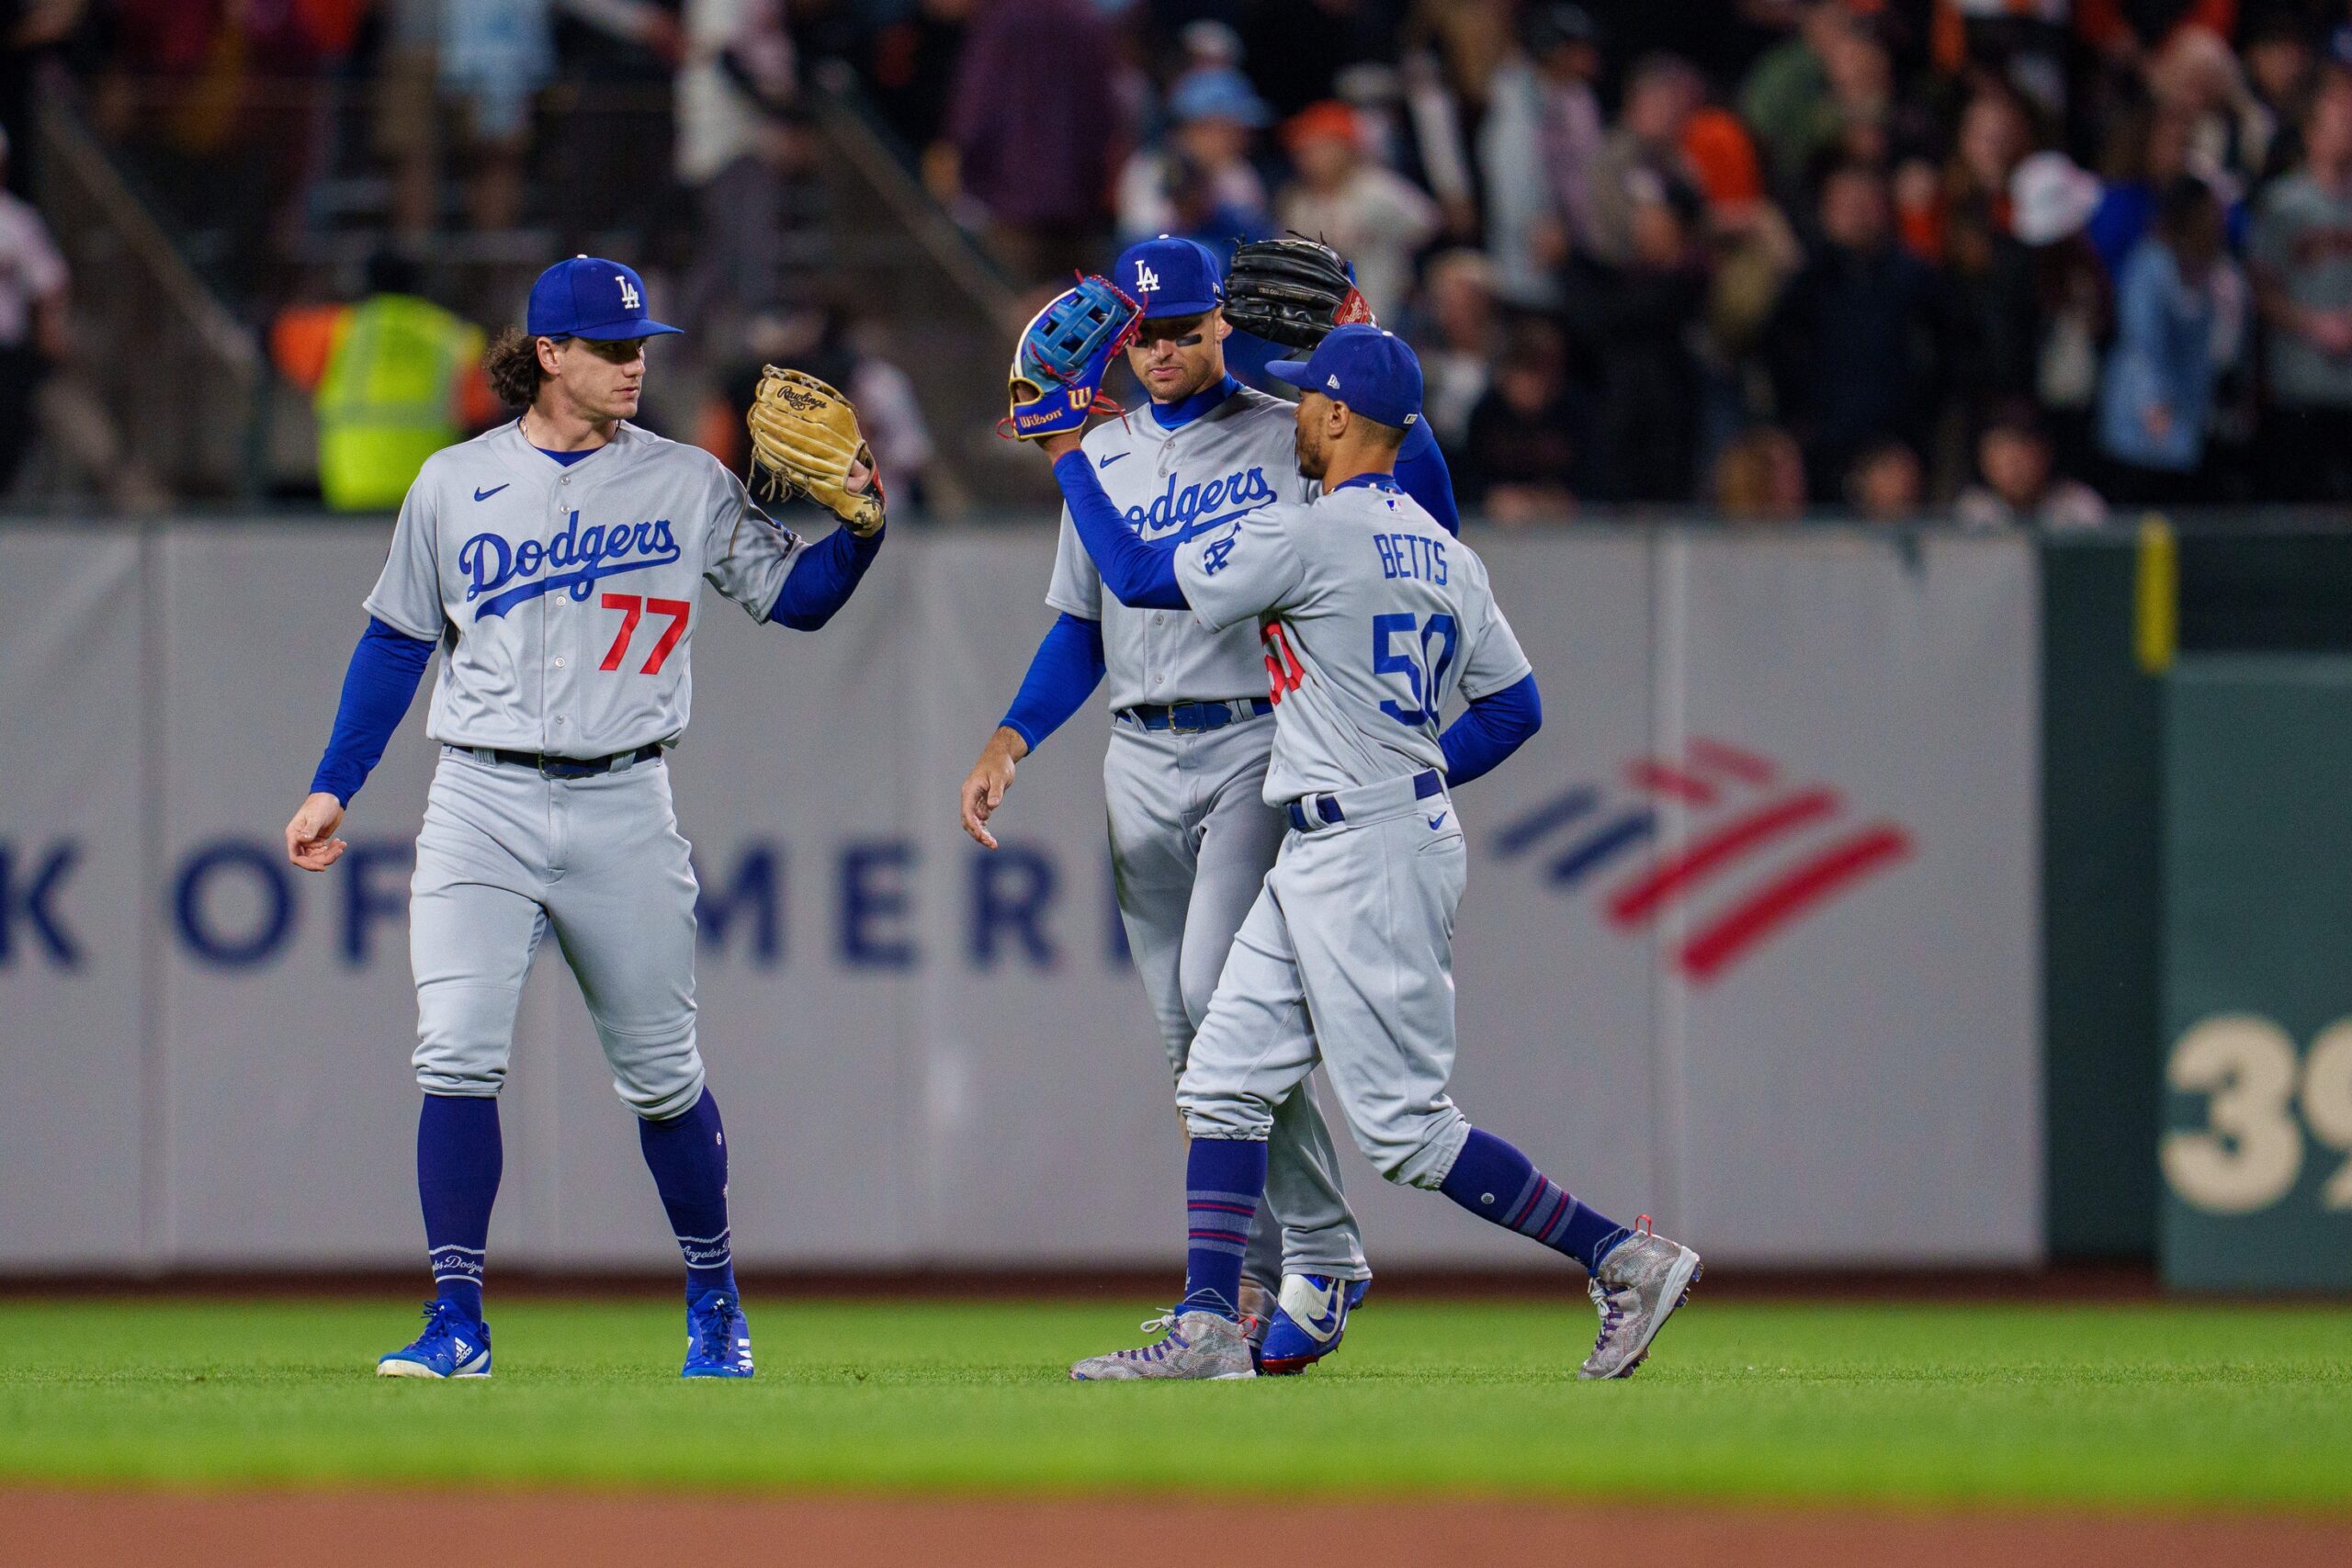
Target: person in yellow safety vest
(396, 378)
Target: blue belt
(1327, 806)
(1187, 719)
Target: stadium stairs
(197, 248)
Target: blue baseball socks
(458, 1159)
(688, 1155)
(1223, 1179)
(1495, 1182)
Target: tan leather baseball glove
(805, 439)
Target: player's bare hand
(985, 785)
(310, 843)
(1058, 447)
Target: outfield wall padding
(2257, 1072)
(1751, 940)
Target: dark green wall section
(2102, 732)
(2252, 589)
(2257, 1003)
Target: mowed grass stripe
(2172, 1405)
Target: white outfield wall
(1749, 943)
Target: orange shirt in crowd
(1724, 156)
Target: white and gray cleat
(1638, 1286)
(1196, 1345)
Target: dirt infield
(100, 1529)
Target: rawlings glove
(804, 439)
(1291, 291)
(1064, 353)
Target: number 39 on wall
(2250, 1152)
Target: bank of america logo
(1756, 854)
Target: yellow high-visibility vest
(386, 400)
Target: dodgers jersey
(1371, 615)
(564, 598)
(1175, 485)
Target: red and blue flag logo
(1751, 854)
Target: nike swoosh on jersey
(486, 494)
(1106, 462)
(1438, 820)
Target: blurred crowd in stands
(2022, 259)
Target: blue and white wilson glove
(1064, 353)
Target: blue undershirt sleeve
(1139, 575)
(377, 689)
(1247, 355)
(824, 576)
(1421, 473)
(1067, 668)
(1491, 731)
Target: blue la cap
(591, 297)
(1375, 373)
(1218, 92)
(1170, 276)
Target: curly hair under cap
(512, 365)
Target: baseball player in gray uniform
(1192, 837)
(556, 563)
(1371, 617)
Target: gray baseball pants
(1346, 959)
(507, 855)
(1192, 840)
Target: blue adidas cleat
(452, 1346)
(719, 1342)
(1309, 1322)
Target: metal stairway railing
(172, 367)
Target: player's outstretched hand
(985, 785)
(310, 843)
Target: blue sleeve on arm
(377, 690)
(1492, 727)
(1139, 575)
(1067, 668)
(1422, 474)
(1247, 355)
(824, 576)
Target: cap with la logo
(591, 297)
(1375, 373)
(1169, 276)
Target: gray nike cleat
(1637, 1287)
(1197, 1345)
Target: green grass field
(2133, 1405)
